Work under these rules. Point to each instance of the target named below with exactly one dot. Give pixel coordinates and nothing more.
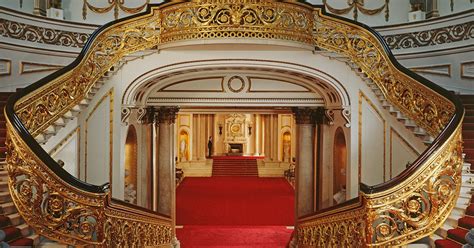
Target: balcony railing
(61, 207)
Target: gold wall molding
(64, 141)
(467, 69)
(116, 5)
(35, 67)
(110, 95)
(363, 97)
(404, 141)
(359, 5)
(441, 70)
(5, 67)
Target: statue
(182, 150)
(286, 151)
(129, 194)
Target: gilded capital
(305, 115)
(166, 114)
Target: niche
(339, 166)
(130, 192)
(183, 146)
(286, 146)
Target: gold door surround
(414, 208)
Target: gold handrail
(70, 213)
(418, 204)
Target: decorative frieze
(32, 33)
(431, 37)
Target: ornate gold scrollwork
(346, 229)
(260, 19)
(429, 109)
(53, 208)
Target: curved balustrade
(64, 208)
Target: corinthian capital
(167, 114)
(307, 115)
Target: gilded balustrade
(60, 211)
(420, 203)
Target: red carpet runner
(235, 201)
(234, 166)
(235, 237)
(234, 212)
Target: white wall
(401, 153)
(69, 154)
(98, 140)
(372, 143)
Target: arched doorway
(339, 166)
(250, 106)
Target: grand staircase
(452, 233)
(234, 166)
(15, 231)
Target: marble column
(305, 161)
(166, 117)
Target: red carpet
(235, 201)
(235, 237)
(234, 166)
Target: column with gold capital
(165, 117)
(305, 119)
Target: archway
(250, 106)
(339, 166)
